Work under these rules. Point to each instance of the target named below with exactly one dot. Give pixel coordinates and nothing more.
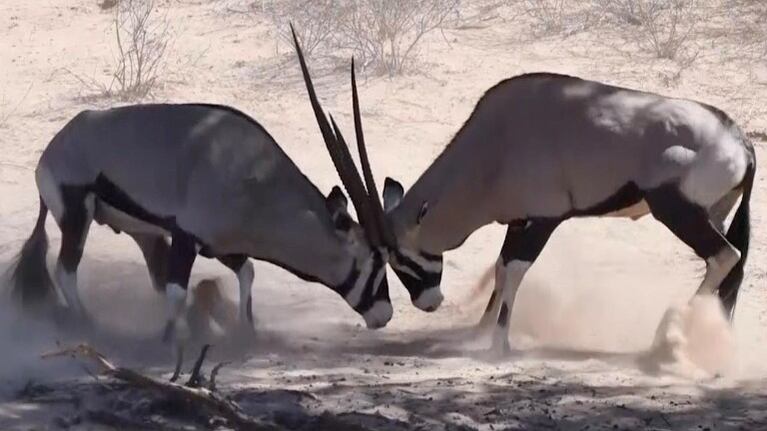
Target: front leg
(520, 249)
(243, 267)
(183, 252)
(490, 315)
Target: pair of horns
(364, 197)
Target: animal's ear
(422, 212)
(337, 204)
(392, 194)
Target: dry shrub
(665, 28)
(749, 33)
(549, 16)
(142, 38)
(554, 17)
(383, 35)
(314, 21)
(9, 109)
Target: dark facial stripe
(431, 257)
(344, 288)
(417, 269)
(415, 286)
(368, 299)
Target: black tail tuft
(739, 235)
(31, 283)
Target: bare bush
(554, 17)
(662, 27)
(749, 34)
(383, 35)
(314, 21)
(549, 16)
(142, 38)
(8, 109)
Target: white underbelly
(123, 222)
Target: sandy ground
(585, 317)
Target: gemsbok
(217, 184)
(542, 148)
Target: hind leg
(156, 250)
(691, 224)
(181, 257)
(719, 211)
(74, 223)
(243, 267)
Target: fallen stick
(196, 378)
(199, 396)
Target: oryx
(541, 148)
(216, 183)
(423, 268)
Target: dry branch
(200, 397)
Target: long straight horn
(378, 211)
(339, 154)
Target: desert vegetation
(139, 47)
(584, 319)
(385, 36)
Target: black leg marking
(250, 309)
(236, 262)
(490, 302)
(74, 225)
(689, 222)
(526, 243)
(180, 261)
(181, 258)
(503, 316)
(233, 261)
(520, 249)
(156, 251)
